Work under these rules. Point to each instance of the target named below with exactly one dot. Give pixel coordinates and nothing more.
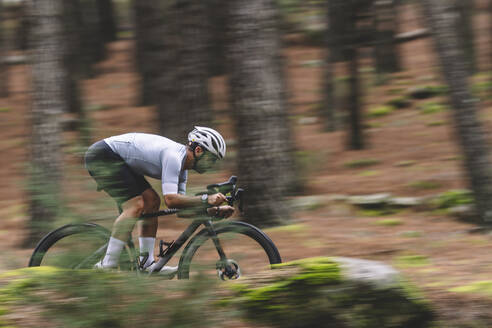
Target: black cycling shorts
(112, 174)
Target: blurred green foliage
(314, 292)
(431, 107)
(389, 222)
(412, 261)
(454, 198)
(88, 298)
(380, 111)
(425, 185)
(399, 102)
(365, 162)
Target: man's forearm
(182, 201)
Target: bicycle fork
(218, 246)
(226, 268)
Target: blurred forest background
(359, 128)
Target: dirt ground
(410, 149)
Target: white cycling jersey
(154, 156)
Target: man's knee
(152, 201)
(134, 206)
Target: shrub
(399, 102)
(412, 261)
(431, 107)
(361, 163)
(380, 111)
(454, 198)
(425, 185)
(389, 222)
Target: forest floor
(412, 153)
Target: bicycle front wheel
(247, 248)
(78, 246)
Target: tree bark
(193, 103)
(108, 23)
(218, 22)
(258, 99)
(153, 48)
(356, 138)
(93, 48)
(73, 59)
(385, 25)
(464, 25)
(442, 17)
(48, 104)
(328, 105)
(4, 72)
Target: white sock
(115, 246)
(147, 246)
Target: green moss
(431, 107)
(482, 88)
(320, 260)
(289, 228)
(425, 185)
(380, 111)
(317, 293)
(389, 222)
(412, 261)
(453, 198)
(377, 212)
(479, 287)
(361, 163)
(4, 109)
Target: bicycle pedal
(163, 250)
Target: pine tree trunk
(152, 48)
(193, 104)
(386, 50)
(167, 81)
(73, 59)
(4, 72)
(108, 24)
(93, 48)
(258, 99)
(356, 138)
(464, 25)
(442, 18)
(48, 103)
(328, 105)
(218, 22)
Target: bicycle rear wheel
(78, 246)
(248, 250)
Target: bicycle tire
(101, 235)
(235, 227)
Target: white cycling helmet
(209, 139)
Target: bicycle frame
(183, 238)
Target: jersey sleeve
(182, 182)
(171, 170)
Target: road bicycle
(227, 248)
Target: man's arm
(182, 201)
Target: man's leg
(147, 229)
(122, 228)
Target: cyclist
(119, 163)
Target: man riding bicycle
(119, 164)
